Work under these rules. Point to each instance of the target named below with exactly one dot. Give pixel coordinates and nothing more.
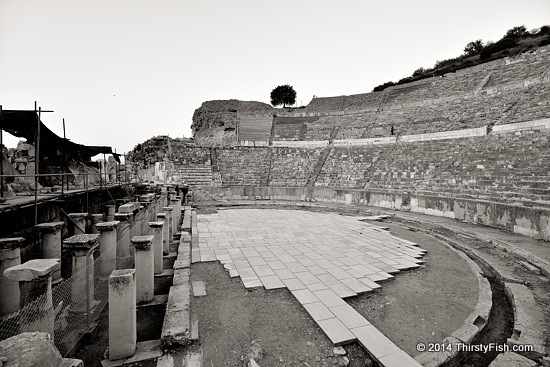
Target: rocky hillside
(214, 123)
(156, 148)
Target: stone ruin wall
(163, 155)
(215, 122)
(22, 159)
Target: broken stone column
(122, 314)
(175, 216)
(96, 218)
(168, 223)
(10, 255)
(161, 217)
(82, 287)
(133, 209)
(155, 229)
(51, 243)
(110, 213)
(35, 278)
(144, 268)
(144, 219)
(79, 223)
(178, 198)
(124, 255)
(107, 247)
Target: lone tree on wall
(283, 95)
(473, 48)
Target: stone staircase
(216, 175)
(318, 167)
(196, 175)
(255, 128)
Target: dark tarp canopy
(23, 124)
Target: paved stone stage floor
(322, 258)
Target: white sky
(123, 71)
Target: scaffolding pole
(1, 157)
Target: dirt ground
(233, 320)
(427, 304)
(423, 305)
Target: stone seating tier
(244, 166)
(195, 175)
(499, 92)
(255, 128)
(500, 167)
(300, 161)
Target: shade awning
(24, 124)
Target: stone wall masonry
(521, 126)
(190, 155)
(243, 166)
(176, 328)
(254, 143)
(454, 134)
(301, 144)
(367, 141)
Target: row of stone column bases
(30, 292)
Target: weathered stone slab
(529, 320)
(435, 359)
(181, 264)
(145, 351)
(12, 242)
(337, 332)
(105, 226)
(32, 350)
(50, 226)
(175, 329)
(81, 241)
(32, 269)
(128, 208)
(181, 276)
(511, 359)
(199, 288)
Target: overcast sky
(123, 71)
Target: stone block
(528, 320)
(511, 359)
(128, 208)
(32, 269)
(31, 350)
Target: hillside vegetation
(516, 41)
